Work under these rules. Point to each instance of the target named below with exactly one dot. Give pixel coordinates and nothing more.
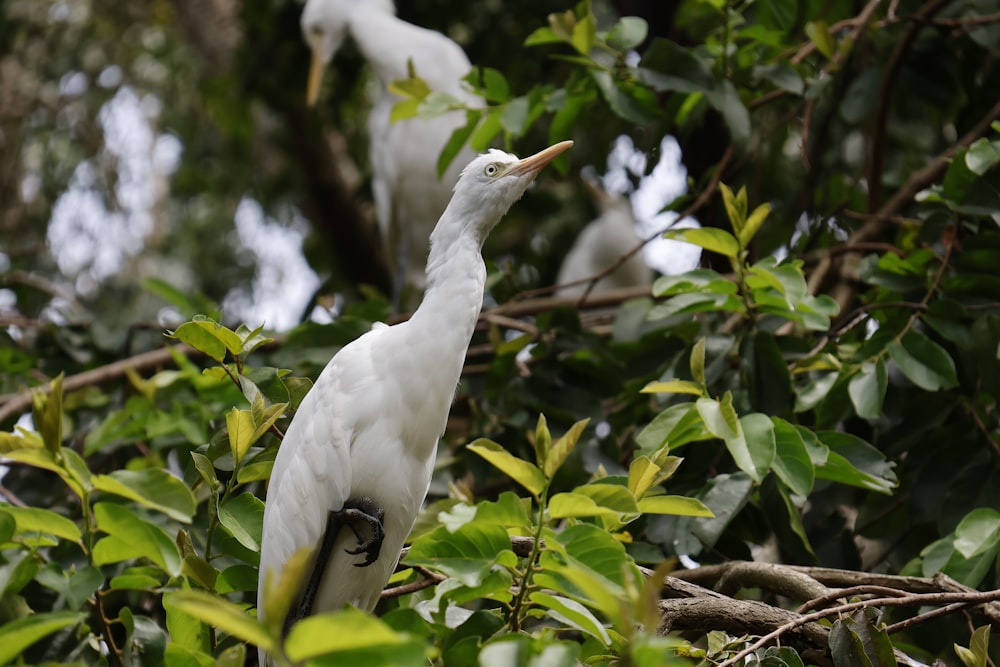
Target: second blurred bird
(409, 196)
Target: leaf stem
(529, 569)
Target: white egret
(409, 196)
(601, 243)
(360, 449)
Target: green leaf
(853, 461)
(924, 362)
(467, 553)
(241, 428)
(757, 436)
(820, 35)
(243, 516)
(673, 387)
(38, 520)
(486, 131)
(154, 488)
(562, 448)
(628, 33)
(514, 116)
(75, 585)
(753, 223)
(131, 537)
(861, 640)
(867, 389)
(698, 363)
(736, 206)
(981, 156)
(352, 637)
(572, 613)
(623, 99)
(709, 238)
(210, 337)
(792, 463)
(978, 531)
(17, 635)
(524, 473)
(676, 505)
(676, 426)
(719, 416)
(543, 35)
(644, 472)
(977, 653)
(577, 505)
(47, 414)
(457, 141)
(223, 615)
(543, 440)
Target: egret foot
(354, 512)
(366, 511)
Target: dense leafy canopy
(821, 392)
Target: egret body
(602, 243)
(366, 434)
(409, 196)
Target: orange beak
(534, 163)
(316, 67)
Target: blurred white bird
(409, 196)
(361, 447)
(601, 243)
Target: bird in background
(602, 243)
(360, 450)
(409, 196)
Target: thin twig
(911, 600)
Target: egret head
(325, 24)
(492, 182)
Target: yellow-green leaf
(343, 630)
(674, 387)
(820, 35)
(676, 505)
(241, 429)
(154, 488)
(753, 224)
(733, 211)
(543, 440)
(39, 520)
(47, 414)
(563, 447)
(709, 238)
(523, 472)
(223, 615)
(19, 634)
(271, 414)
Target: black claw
(365, 510)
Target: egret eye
(491, 170)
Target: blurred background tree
(158, 161)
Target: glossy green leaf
(76, 586)
(676, 505)
(459, 137)
(154, 488)
(523, 472)
(979, 530)
(867, 389)
(820, 35)
(563, 447)
(792, 462)
(19, 634)
(924, 362)
(719, 417)
(853, 461)
(753, 223)
(573, 614)
(221, 614)
(210, 337)
(240, 426)
(47, 413)
(644, 472)
(343, 631)
(132, 537)
(628, 33)
(243, 517)
(697, 363)
(673, 387)
(467, 553)
(977, 655)
(709, 238)
(982, 155)
(38, 520)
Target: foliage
(829, 374)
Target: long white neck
(388, 43)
